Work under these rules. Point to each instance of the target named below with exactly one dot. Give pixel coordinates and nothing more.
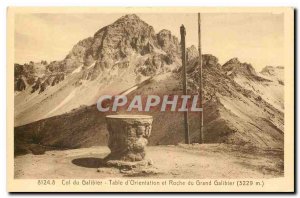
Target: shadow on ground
(89, 162)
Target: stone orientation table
(128, 137)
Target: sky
(256, 38)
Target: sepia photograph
(137, 99)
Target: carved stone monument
(128, 137)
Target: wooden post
(183, 57)
(201, 135)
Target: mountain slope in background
(268, 83)
(275, 73)
(55, 104)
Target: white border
(5, 3)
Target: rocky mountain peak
(274, 72)
(209, 60)
(126, 20)
(117, 40)
(271, 70)
(234, 67)
(167, 41)
(111, 47)
(129, 17)
(191, 53)
(232, 61)
(165, 33)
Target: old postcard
(150, 99)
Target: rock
(233, 61)
(234, 67)
(167, 41)
(169, 58)
(140, 172)
(120, 39)
(20, 85)
(37, 85)
(191, 53)
(280, 82)
(37, 149)
(59, 77)
(126, 165)
(43, 83)
(24, 75)
(275, 73)
(43, 86)
(151, 66)
(210, 61)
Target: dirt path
(182, 161)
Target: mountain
(275, 73)
(116, 58)
(265, 84)
(241, 106)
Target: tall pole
(201, 135)
(186, 124)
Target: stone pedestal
(128, 136)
